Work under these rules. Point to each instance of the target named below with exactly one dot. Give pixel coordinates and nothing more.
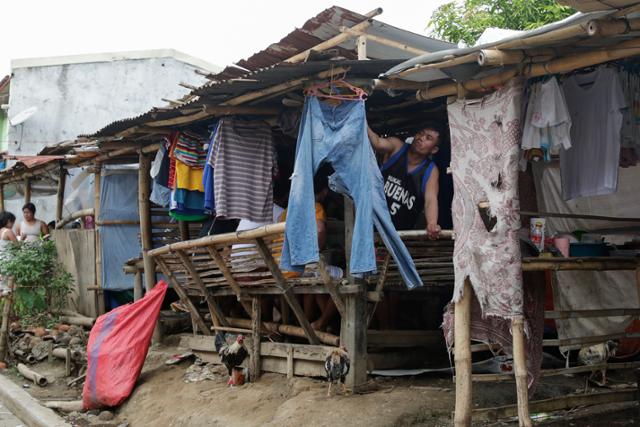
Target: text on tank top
(405, 190)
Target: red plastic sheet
(118, 345)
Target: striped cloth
(189, 149)
(244, 163)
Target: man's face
(425, 142)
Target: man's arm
(322, 233)
(44, 229)
(384, 145)
(431, 203)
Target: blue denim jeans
(338, 135)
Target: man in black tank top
(410, 178)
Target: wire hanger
(334, 89)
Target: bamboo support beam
(382, 40)
(581, 314)
(462, 343)
(520, 365)
(559, 371)
(99, 298)
(184, 297)
(144, 191)
(332, 289)
(291, 84)
(73, 216)
(256, 317)
(567, 264)
(233, 284)
(27, 190)
(608, 28)
(217, 316)
(4, 328)
(1, 197)
(281, 282)
(62, 179)
(491, 57)
(335, 41)
(588, 340)
(557, 66)
(269, 328)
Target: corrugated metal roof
(426, 68)
(323, 26)
(253, 81)
(596, 5)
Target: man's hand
(433, 231)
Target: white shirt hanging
(590, 166)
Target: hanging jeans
(338, 135)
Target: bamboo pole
(78, 320)
(73, 216)
(32, 375)
(27, 190)
(361, 42)
(520, 365)
(99, 300)
(231, 281)
(335, 41)
(144, 187)
(1, 197)
(491, 57)
(256, 317)
(557, 66)
(4, 328)
(137, 285)
(462, 356)
(62, 179)
(277, 328)
(65, 406)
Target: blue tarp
(119, 243)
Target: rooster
(336, 366)
(596, 355)
(231, 355)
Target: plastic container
(588, 250)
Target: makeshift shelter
(569, 46)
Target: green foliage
(465, 21)
(41, 284)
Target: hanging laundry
(630, 134)
(595, 101)
(244, 164)
(547, 122)
(190, 150)
(207, 175)
(188, 178)
(338, 135)
(484, 162)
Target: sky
(218, 32)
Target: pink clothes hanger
(319, 90)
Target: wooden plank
(332, 289)
(217, 316)
(399, 338)
(281, 282)
(290, 370)
(573, 314)
(557, 404)
(224, 269)
(195, 315)
(256, 317)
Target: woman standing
(7, 219)
(31, 228)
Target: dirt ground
(162, 397)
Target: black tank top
(405, 191)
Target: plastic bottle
(537, 238)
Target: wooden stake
(290, 370)
(520, 364)
(184, 230)
(62, 179)
(217, 316)
(256, 318)
(281, 282)
(184, 297)
(462, 343)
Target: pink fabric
(485, 136)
